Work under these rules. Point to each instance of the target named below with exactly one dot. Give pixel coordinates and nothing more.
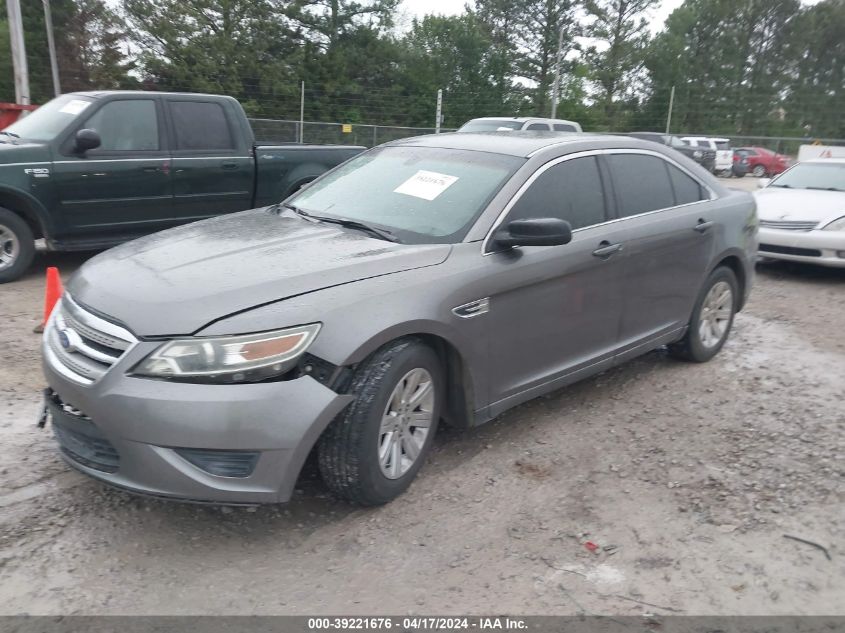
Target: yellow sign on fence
(347, 128)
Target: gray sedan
(441, 278)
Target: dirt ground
(685, 476)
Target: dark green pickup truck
(92, 169)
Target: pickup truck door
(123, 186)
(213, 163)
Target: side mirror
(763, 182)
(86, 139)
(534, 232)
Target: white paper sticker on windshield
(426, 184)
(74, 106)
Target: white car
(722, 147)
(802, 213)
(509, 124)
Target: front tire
(17, 246)
(371, 453)
(759, 171)
(711, 320)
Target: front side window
(201, 125)
(571, 191)
(125, 126)
(537, 126)
(422, 195)
(642, 183)
(564, 127)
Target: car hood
(17, 151)
(178, 281)
(806, 205)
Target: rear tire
(17, 246)
(711, 320)
(371, 452)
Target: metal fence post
(375, 130)
(439, 110)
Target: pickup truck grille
(81, 346)
(788, 225)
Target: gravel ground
(685, 476)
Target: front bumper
(147, 422)
(824, 248)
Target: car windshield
(813, 176)
(419, 194)
(491, 125)
(51, 119)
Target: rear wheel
(370, 454)
(17, 246)
(711, 320)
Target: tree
(622, 30)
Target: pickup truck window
(424, 195)
(641, 182)
(571, 191)
(51, 119)
(201, 125)
(127, 125)
(537, 126)
(563, 127)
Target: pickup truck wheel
(712, 318)
(759, 171)
(17, 246)
(370, 453)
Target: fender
(29, 207)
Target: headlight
(697, 154)
(836, 225)
(229, 359)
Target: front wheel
(371, 453)
(759, 171)
(711, 320)
(17, 246)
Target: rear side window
(126, 126)
(537, 126)
(642, 183)
(686, 189)
(563, 127)
(571, 191)
(200, 125)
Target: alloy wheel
(716, 313)
(406, 422)
(10, 247)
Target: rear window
(201, 125)
(564, 127)
(642, 183)
(537, 126)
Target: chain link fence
(788, 145)
(313, 133)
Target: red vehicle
(762, 161)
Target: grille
(82, 346)
(790, 250)
(788, 225)
(85, 444)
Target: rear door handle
(229, 165)
(703, 226)
(606, 249)
(151, 169)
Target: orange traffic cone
(52, 293)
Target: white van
(722, 147)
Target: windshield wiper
(781, 186)
(12, 134)
(824, 188)
(383, 234)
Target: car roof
(822, 161)
(521, 143)
(96, 94)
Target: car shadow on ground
(786, 270)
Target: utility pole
(18, 52)
(556, 85)
(302, 115)
(671, 105)
(51, 44)
(437, 115)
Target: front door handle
(703, 226)
(229, 165)
(606, 249)
(152, 169)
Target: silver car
(440, 278)
(802, 213)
